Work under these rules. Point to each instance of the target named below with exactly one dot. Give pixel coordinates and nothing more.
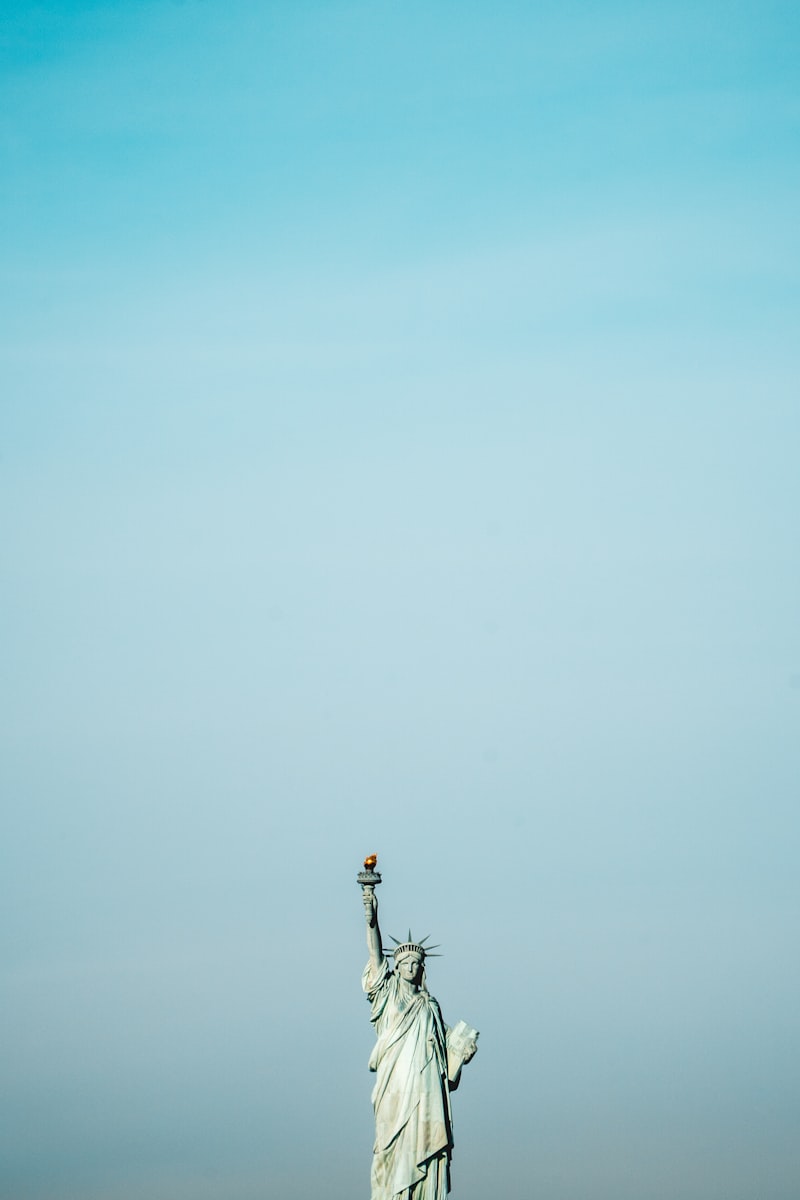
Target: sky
(399, 453)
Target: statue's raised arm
(368, 879)
(374, 945)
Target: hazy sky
(399, 451)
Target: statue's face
(410, 968)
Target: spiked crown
(410, 946)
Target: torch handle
(370, 904)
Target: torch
(369, 878)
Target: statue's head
(409, 965)
(409, 959)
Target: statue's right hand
(370, 906)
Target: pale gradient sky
(399, 451)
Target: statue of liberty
(417, 1059)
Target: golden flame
(370, 861)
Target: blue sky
(399, 431)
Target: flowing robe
(411, 1097)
